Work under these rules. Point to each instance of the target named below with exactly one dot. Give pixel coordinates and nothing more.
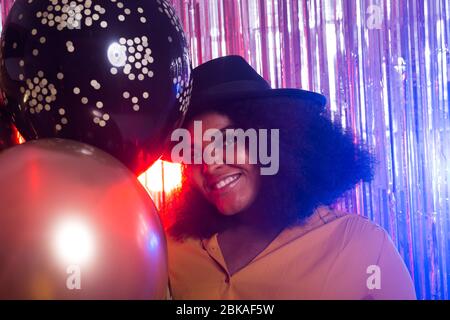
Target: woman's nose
(211, 168)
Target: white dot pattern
(73, 14)
(95, 84)
(38, 93)
(130, 55)
(70, 47)
(165, 7)
(182, 83)
(100, 118)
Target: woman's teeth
(224, 182)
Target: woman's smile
(222, 184)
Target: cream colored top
(334, 255)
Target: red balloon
(76, 224)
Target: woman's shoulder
(179, 241)
(182, 245)
(351, 227)
(359, 236)
(353, 222)
(366, 250)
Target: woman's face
(230, 187)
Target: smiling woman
(237, 234)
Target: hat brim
(206, 100)
(210, 101)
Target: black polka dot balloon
(108, 73)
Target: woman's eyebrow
(223, 130)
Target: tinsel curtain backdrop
(384, 66)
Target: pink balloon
(76, 224)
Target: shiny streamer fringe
(384, 66)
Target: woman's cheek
(195, 176)
(241, 155)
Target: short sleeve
(395, 280)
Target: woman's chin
(232, 208)
(225, 211)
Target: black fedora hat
(231, 78)
(221, 81)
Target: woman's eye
(229, 141)
(196, 156)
